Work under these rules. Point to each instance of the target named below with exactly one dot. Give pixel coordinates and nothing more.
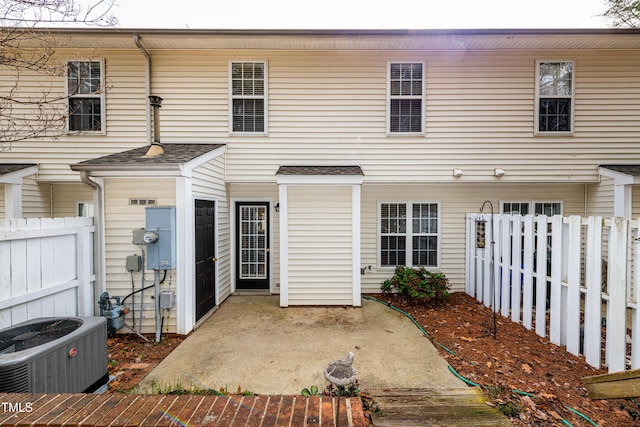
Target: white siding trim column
(13, 200)
(355, 221)
(622, 194)
(284, 245)
(185, 274)
(622, 200)
(13, 191)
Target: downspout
(98, 240)
(147, 84)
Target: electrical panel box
(160, 237)
(134, 263)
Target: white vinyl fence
(46, 268)
(575, 280)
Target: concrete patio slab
(253, 344)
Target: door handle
(268, 250)
(213, 259)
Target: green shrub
(418, 284)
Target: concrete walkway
(253, 344)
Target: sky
(359, 14)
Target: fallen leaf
(466, 339)
(526, 368)
(489, 365)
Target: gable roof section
(305, 175)
(633, 170)
(319, 170)
(175, 158)
(621, 174)
(12, 173)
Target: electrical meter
(149, 237)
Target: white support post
(635, 314)
(516, 263)
(284, 245)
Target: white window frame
(409, 235)
(422, 97)
(532, 205)
(100, 94)
(264, 96)
(571, 97)
(86, 206)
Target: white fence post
(576, 268)
(574, 275)
(555, 315)
(616, 307)
(593, 297)
(527, 273)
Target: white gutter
(147, 84)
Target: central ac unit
(54, 355)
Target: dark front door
(252, 243)
(205, 257)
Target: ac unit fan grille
(37, 334)
(15, 380)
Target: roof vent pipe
(156, 147)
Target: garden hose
(453, 371)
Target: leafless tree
(623, 13)
(33, 108)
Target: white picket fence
(589, 268)
(46, 268)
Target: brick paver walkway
(166, 410)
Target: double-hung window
(248, 97)
(85, 94)
(406, 93)
(409, 234)
(554, 97)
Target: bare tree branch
(26, 52)
(623, 13)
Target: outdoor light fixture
(457, 173)
(155, 149)
(498, 172)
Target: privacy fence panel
(573, 280)
(46, 268)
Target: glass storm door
(252, 236)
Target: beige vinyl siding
(455, 202)
(262, 192)
(320, 248)
(330, 107)
(125, 114)
(36, 198)
(67, 196)
(121, 220)
(208, 183)
(635, 201)
(600, 198)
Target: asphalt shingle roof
(319, 170)
(633, 170)
(6, 168)
(174, 155)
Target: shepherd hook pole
(491, 275)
